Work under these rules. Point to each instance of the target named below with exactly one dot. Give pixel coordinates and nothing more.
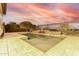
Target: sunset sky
(42, 13)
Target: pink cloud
(36, 13)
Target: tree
(27, 26)
(64, 27)
(12, 27)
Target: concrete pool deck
(13, 45)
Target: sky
(42, 13)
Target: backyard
(17, 44)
